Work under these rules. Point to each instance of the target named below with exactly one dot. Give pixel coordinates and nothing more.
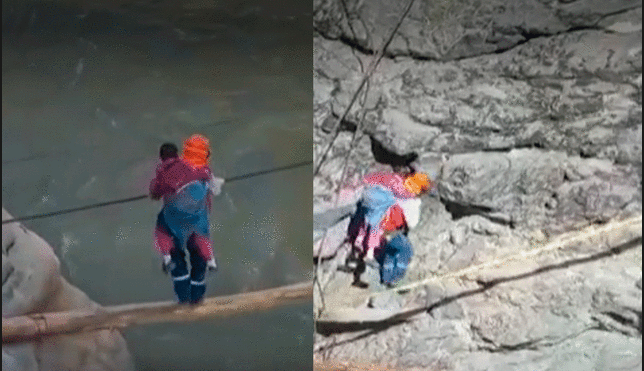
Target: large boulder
(455, 29)
(571, 92)
(32, 283)
(530, 188)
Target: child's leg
(403, 256)
(203, 245)
(163, 239)
(360, 267)
(355, 224)
(387, 268)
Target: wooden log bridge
(34, 326)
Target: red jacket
(394, 219)
(174, 173)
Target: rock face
(31, 283)
(528, 113)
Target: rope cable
(141, 197)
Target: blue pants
(189, 285)
(395, 259)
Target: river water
(85, 107)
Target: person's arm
(155, 191)
(159, 185)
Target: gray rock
(331, 240)
(32, 283)
(623, 22)
(398, 132)
(456, 29)
(389, 301)
(458, 234)
(329, 218)
(530, 187)
(528, 116)
(497, 102)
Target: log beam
(35, 326)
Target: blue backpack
(186, 211)
(376, 200)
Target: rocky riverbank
(529, 115)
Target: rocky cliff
(32, 283)
(528, 113)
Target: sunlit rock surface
(529, 116)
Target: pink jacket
(394, 182)
(174, 173)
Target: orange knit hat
(417, 183)
(196, 150)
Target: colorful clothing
(186, 185)
(379, 202)
(365, 237)
(186, 209)
(380, 212)
(186, 212)
(189, 285)
(392, 181)
(174, 173)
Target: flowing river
(86, 103)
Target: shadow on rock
(327, 328)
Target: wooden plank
(34, 326)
